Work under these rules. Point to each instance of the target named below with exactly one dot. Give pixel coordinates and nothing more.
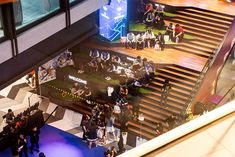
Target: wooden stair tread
(198, 42)
(193, 51)
(198, 47)
(203, 21)
(178, 78)
(206, 17)
(209, 13)
(180, 74)
(154, 97)
(177, 105)
(170, 102)
(183, 70)
(209, 37)
(174, 84)
(202, 30)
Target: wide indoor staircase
(208, 29)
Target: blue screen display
(112, 19)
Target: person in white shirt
(130, 40)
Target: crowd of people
(98, 128)
(153, 18)
(17, 130)
(149, 39)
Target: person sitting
(159, 22)
(149, 19)
(93, 64)
(9, 116)
(150, 72)
(130, 40)
(159, 42)
(76, 90)
(178, 33)
(169, 31)
(87, 94)
(149, 38)
(94, 54)
(105, 56)
(115, 62)
(137, 63)
(140, 41)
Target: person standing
(113, 152)
(109, 126)
(165, 92)
(85, 124)
(22, 146)
(34, 139)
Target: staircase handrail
(201, 76)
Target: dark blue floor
(57, 143)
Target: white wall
(5, 51)
(85, 8)
(40, 32)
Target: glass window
(28, 11)
(1, 27)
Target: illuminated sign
(77, 79)
(112, 19)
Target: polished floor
(57, 143)
(215, 5)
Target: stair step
(208, 37)
(173, 93)
(175, 105)
(218, 25)
(186, 88)
(184, 93)
(156, 104)
(204, 31)
(205, 18)
(176, 77)
(208, 13)
(202, 44)
(181, 70)
(194, 78)
(194, 49)
(198, 53)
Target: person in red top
(178, 33)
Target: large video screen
(112, 19)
